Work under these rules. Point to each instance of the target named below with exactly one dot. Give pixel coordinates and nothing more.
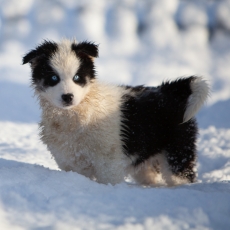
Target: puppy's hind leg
(148, 173)
(156, 172)
(181, 162)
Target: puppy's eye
(76, 78)
(54, 78)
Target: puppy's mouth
(67, 105)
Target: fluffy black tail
(183, 98)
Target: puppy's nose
(67, 98)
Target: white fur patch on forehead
(64, 60)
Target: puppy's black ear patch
(85, 48)
(47, 48)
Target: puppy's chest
(71, 138)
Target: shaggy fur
(107, 132)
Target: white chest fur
(86, 139)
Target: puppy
(107, 132)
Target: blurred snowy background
(141, 42)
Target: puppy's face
(61, 72)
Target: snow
(76, 202)
(141, 42)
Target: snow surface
(141, 42)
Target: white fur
(200, 92)
(86, 138)
(156, 171)
(66, 64)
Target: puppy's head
(61, 72)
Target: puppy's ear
(46, 49)
(85, 48)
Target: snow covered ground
(141, 42)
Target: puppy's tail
(182, 98)
(200, 92)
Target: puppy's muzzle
(67, 98)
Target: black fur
(86, 69)
(42, 72)
(45, 50)
(82, 76)
(153, 122)
(85, 48)
(84, 51)
(42, 75)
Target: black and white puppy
(107, 132)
